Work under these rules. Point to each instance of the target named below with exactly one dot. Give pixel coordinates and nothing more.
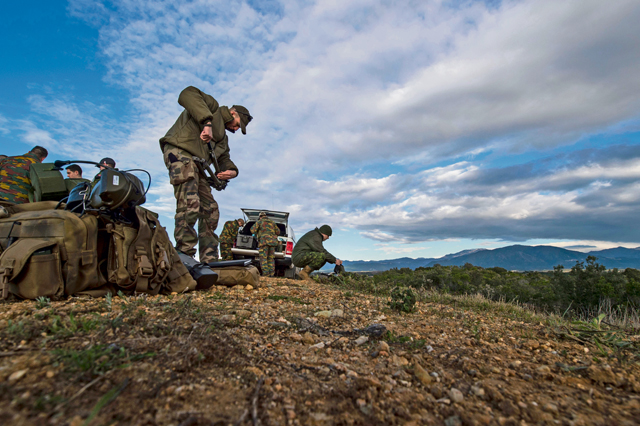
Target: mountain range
(514, 258)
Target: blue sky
(415, 129)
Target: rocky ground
(299, 354)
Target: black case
(246, 242)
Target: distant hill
(516, 258)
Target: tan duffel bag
(230, 276)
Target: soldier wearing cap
(266, 231)
(199, 131)
(310, 254)
(107, 162)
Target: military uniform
(309, 251)
(194, 200)
(14, 178)
(267, 234)
(227, 238)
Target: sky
(413, 128)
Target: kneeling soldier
(310, 254)
(228, 237)
(267, 234)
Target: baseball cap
(245, 117)
(108, 161)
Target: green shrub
(403, 299)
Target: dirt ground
(292, 353)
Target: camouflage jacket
(229, 232)
(266, 232)
(185, 133)
(310, 242)
(14, 177)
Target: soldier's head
(74, 172)
(326, 232)
(241, 222)
(262, 214)
(107, 162)
(241, 118)
(2, 157)
(40, 152)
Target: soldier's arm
(224, 159)
(195, 102)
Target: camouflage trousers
(225, 251)
(315, 260)
(194, 203)
(267, 260)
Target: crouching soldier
(228, 237)
(267, 234)
(310, 254)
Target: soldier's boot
(304, 274)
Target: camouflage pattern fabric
(194, 203)
(315, 260)
(267, 260)
(14, 178)
(225, 251)
(229, 232)
(266, 232)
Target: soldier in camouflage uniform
(199, 130)
(14, 175)
(228, 237)
(310, 254)
(267, 234)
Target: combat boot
(304, 274)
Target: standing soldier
(228, 237)
(197, 136)
(310, 254)
(14, 175)
(267, 234)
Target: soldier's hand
(207, 134)
(227, 174)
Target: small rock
(249, 287)
(50, 374)
(434, 374)
(543, 370)
(384, 346)
(515, 364)
(453, 421)
(361, 340)
(16, 376)
(351, 373)
(318, 345)
(76, 421)
(308, 338)
(422, 375)
(227, 318)
(508, 408)
(338, 313)
(429, 349)
(550, 408)
(400, 361)
(477, 391)
(255, 370)
(472, 373)
(296, 337)
(495, 370)
(243, 313)
(323, 314)
(527, 377)
(456, 396)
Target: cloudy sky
(414, 128)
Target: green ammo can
(47, 182)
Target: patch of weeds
(48, 401)
(277, 297)
(73, 325)
(403, 299)
(96, 359)
(218, 295)
(347, 294)
(108, 302)
(42, 302)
